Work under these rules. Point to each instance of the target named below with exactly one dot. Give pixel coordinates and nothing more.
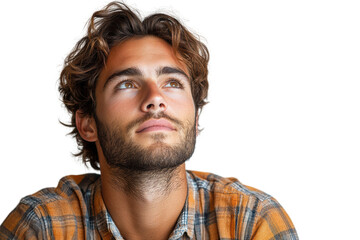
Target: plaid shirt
(216, 208)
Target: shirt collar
(186, 220)
(101, 214)
(112, 227)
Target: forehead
(145, 53)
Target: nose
(154, 101)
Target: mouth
(155, 125)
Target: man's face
(145, 114)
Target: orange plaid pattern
(216, 208)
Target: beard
(122, 153)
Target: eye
(173, 84)
(126, 85)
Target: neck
(151, 201)
(145, 185)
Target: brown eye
(126, 85)
(173, 84)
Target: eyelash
(181, 86)
(126, 81)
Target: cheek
(118, 108)
(183, 105)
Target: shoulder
(37, 212)
(231, 194)
(221, 185)
(68, 188)
(256, 214)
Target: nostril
(149, 106)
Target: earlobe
(86, 126)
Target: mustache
(153, 116)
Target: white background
(284, 96)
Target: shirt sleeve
(22, 223)
(273, 223)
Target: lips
(155, 125)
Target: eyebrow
(134, 71)
(171, 70)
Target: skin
(122, 100)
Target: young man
(135, 89)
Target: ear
(86, 126)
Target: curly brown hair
(107, 28)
